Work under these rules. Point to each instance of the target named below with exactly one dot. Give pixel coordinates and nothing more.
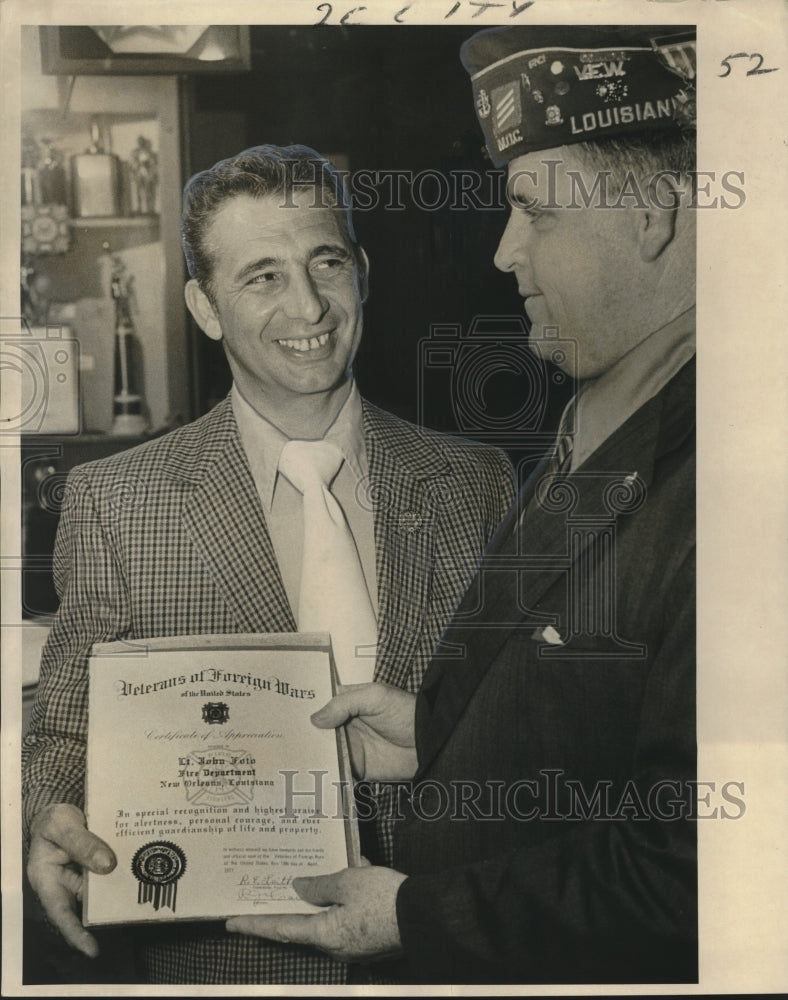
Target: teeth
(307, 344)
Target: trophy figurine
(145, 174)
(128, 406)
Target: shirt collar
(263, 441)
(607, 402)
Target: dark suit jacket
(170, 539)
(554, 853)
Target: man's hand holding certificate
(380, 726)
(358, 919)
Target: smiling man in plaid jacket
(197, 532)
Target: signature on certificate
(265, 887)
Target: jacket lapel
(225, 521)
(501, 600)
(401, 468)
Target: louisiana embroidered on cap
(542, 87)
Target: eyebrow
(531, 204)
(257, 265)
(337, 249)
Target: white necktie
(333, 595)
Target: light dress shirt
(282, 502)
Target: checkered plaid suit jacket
(170, 539)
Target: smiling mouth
(306, 344)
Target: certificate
(207, 778)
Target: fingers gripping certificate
(207, 778)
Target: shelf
(78, 278)
(103, 222)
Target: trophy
(128, 404)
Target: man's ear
(201, 307)
(657, 224)
(363, 273)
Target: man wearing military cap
(548, 831)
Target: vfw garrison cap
(541, 87)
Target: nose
(512, 250)
(303, 301)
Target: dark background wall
(390, 99)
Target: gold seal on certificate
(207, 778)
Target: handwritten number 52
(753, 70)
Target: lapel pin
(410, 522)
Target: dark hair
(260, 171)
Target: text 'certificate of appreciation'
(207, 778)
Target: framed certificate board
(208, 780)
